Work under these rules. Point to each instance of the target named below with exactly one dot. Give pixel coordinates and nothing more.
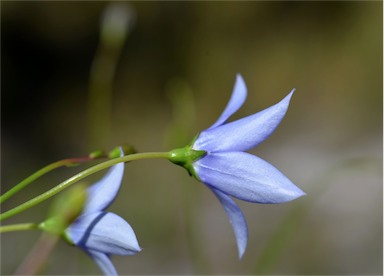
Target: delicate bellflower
(100, 233)
(217, 158)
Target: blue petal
(246, 177)
(238, 97)
(237, 220)
(102, 193)
(104, 232)
(243, 134)
(104, 262)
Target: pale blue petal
(104, 232)
(236, 218)
(102, 193)
(238, 97)
(104, 262)
(243, 134)
(246, 177)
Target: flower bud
(65, 209)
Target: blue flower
(217, 158)
(100, 233)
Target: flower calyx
(185, 157)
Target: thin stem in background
(18, 227)
(80, 176)
(116, 22)
(38, 255)
(41, 172)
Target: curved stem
(79, 176)
(18, 227)
(41, 172)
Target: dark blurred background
(69, 86)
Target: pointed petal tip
(289, 96)
(239, 78)
(295, 193)
(242, 252)
(301, 193)
(239, 94)
(236, 218)
(136, 249)
(240, 85)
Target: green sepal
(65, 209)
(127, 149)
(67, 238)
(53, 225)
(186, 156)
(97, 154)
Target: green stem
(40, 173)
(18, 227)
(80, 176)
